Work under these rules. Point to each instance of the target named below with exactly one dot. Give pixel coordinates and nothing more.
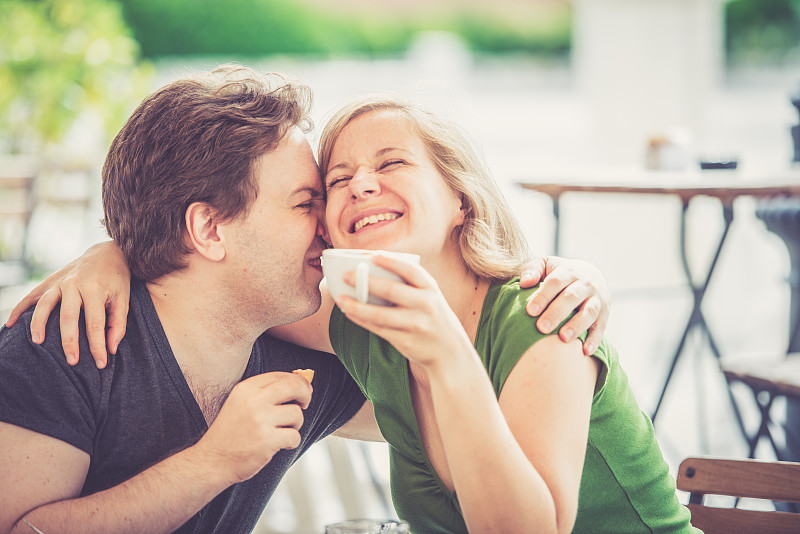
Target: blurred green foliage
(492, 32)
(762, 30)
(58, 57)
(251, 28)
(262, 27)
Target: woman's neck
(463, 290)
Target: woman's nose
(364, 183)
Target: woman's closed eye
(391, 163)
(337, 181)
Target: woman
(492, 425)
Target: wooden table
(725, 186)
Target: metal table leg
(556, 224)
(696, 319)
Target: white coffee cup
(337, 261)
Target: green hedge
(262, 27)
(249, 28)
(762, 30)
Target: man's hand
(568, 285)
(98, 281)
(42, 476)
(262, 415)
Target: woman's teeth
(372, 219)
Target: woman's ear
(202, 225)
(462, 213)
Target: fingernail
(99, 364)
(544, 326)
(534, 309)
(36, 338)
(568, 334)
(71, 359)
(589, 349)
(525, 277)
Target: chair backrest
(17, 201)
(759, 479)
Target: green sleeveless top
(625, 486)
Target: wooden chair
(768, 378)
(17, 201)
(758, 479)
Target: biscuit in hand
(308, 374)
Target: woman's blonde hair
(491, 242)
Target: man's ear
(202, 225)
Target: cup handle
(362, 282)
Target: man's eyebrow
(314, 192)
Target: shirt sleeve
(340, 397)
(336, 397)
(351, 344)
(41, 392)
(509, 332)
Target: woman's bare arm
(99, 282)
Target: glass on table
(368, 526)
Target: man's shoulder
(17, 341)
(21, 329)
(282, 354)
(18, 351)
(279, 355)
(20, 335)
(273, 343)
(336, 395)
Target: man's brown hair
(193, 140)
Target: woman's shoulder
(507, 298)
(506, 330)
(505, 307)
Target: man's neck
(210, 341)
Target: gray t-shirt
(139, 409)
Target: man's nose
(364, 183)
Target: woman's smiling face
(385, 192)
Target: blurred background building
(543, 86)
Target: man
(223, 250)
(212, 193)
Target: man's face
(275, 249)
